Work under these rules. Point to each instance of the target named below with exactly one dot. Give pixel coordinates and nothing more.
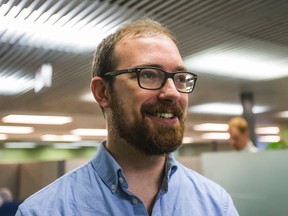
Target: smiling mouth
(165, 115)
(162, 111)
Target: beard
(148, 138)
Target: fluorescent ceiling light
(283, 114)
(88, 97)
(215, 136)
(187, 140)
(20, 145)
(224, 127)
(3, 137)
(16, 129)
(11, 85)
(35, 119)
(268, 139)
(43, 77)
(17, 84)
(64, 138)
(267, 130)
(210, 127)
(223, 109)
(240, 65)
(89, 132)
(48, 35)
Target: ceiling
(246, 26)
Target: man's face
(237, 139)
(150, 120)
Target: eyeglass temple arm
(118, 72)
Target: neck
(144, 173)
(130, 158)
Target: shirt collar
(171, 165)
(250, 147)
(170, 168)
(107, 168)
(111, 173)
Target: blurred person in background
(142, 86)
(239, 135)
(5, 196)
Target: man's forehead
(234, 130)
(145, 45)
(136, 37)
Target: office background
(239, 49)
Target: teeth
(165, 115)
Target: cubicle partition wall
(26, 178)
(257, 182)
(193, 162)
(34, 176)
(9, 177)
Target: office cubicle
(257, 182)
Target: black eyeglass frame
(138, 69)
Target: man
(141, 84)
(239, 135)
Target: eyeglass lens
(154, 79)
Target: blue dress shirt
(100, 188)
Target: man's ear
(99, 90)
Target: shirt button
(121, 180)
(113, 187)
(134, 201)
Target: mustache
(162, 108)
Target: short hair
(240, 123)
(104, 58)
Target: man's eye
(181, 79)
(148, 75)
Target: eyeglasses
(153, 78)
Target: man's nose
(169, 91)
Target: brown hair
(104, 58)
(240, 123)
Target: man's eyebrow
(150, 65)
(179, 68)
